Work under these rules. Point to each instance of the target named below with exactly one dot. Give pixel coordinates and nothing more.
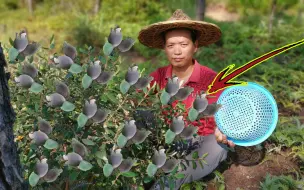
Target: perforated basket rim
(274, 120)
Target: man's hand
(221, 138)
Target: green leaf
(102, 59)
(201, 164)
(52, 39)
(21, 57)
(164, 98)
(107, 48)
(145, 90)
(85, 166)
(101, 155)
(81, 50)
(186, 186)
(110, 96)
(222, 187)
(205, 155)
(99, 162)
(183, 166)
(179, 176)
(194, 165)
(193, 113)
(199, 186)
(174, 171)
(86, 81)
(121, 141)
(31, 59)
(73, 175)
(82, 120)
(52, 46)
(148, 179)
(36, 88)
(195, 155)
(129, 174)
(169, 136)
(171, 183)
(204, 161)
(11, 41)
(75, 68)
(12, 54)
(67, 106)
(151, 170)
(107, 169)
(33, 179)
(124, 87)
(50, 144)
(88, 142)
(218, 174)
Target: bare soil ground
(249, 177)
(220, 13)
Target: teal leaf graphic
(33, 179)
(85, 166)
(164, 97)
(121, 140)
(75, 68)
(193, 113)
(107, 169)
(82, 120)
(36, 88)
(67, 106)
(12, 54)
(151, 170)
(169, 137)
(86, 81)
(50, 144)
(107, 48)
(124, 87)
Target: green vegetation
(281, 183)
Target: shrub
(281, 182)
(82, 121)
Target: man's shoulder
(205, 77)
(207, 71)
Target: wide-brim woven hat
(207, 33)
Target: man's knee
(216, 153)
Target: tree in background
(30, 7)
(97, 6)
(272, 15)
(301, 11)
(200, 9)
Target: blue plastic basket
(249, 114)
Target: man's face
(179, 47)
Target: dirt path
(220, 13)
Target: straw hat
(207, 33)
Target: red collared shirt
(199, 80)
